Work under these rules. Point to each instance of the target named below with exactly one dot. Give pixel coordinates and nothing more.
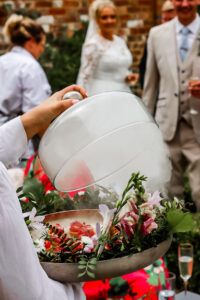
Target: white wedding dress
(104, 65)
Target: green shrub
(61, 59)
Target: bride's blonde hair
(19, 30)
(97, 6)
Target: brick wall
(136, 17)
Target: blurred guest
(23, 83)
(106, 60)
(167, 11)
(172, 56)
(167, 14)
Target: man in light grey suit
(172, 60)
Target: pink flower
(148, 226)
(129, 222)
(146, 210)
(155, 200)
(130, 206)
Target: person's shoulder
(119, 39)
(93, 43)
(162, 28)
(94, 39)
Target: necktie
(184, 47)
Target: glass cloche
(100, 142)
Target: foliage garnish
(138, 221)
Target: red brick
(83, 11)
(121, 2)
(134, 31)
(145, 2)
(71, 4)
(57, 11)
(125, 17)
(43, 4)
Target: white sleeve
(89, 60)
(21, 275)
(13, 142)
(35, 86)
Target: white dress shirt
(193, 27)
(21, 275)
(23, 85)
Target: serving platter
(68, 272)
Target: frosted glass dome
(101, 141)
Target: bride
(106, 59)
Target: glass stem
(186, 287)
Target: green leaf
(93, 261)
(19, 189)
(81, 274)
(92, 267)
(80, 267)
(90, 274)
(179, 221)
(116, 281)
(82, 262)
(34, 188)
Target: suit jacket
(161, 86)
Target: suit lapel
(171, 50)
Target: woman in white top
(106, 59)
(21, 275)
(23, 83)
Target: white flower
(39, 245)
(107, 215)
(35, 221)
(89, 243)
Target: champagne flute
(185, 261)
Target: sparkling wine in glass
(185, 261)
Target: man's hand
(37, 120)
(194, 89)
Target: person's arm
(89, 60)
(21, 275)
(151, 79)
(13, 142)
(15, 133)
(37, 120)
